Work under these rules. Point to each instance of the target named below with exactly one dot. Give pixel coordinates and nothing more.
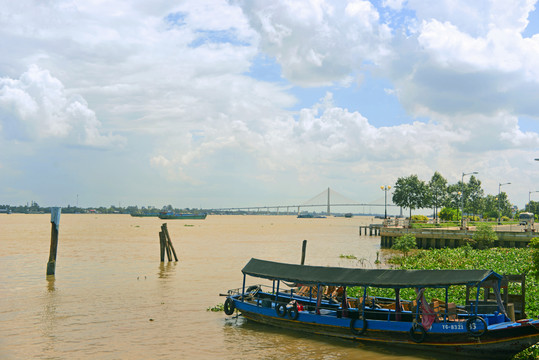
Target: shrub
(405, 243)
(449, 214)
(420, 218)
(469, 244)
(534, 244)
(484, 236)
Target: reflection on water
(111, 297)
(49, 315)
(282, 343)
(166, 270)
(50, 283)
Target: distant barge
(174, 216)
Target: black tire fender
(361, 331)
(470, 326)
(229, 306)
(417, 336)
(280, 309)
(293, 312)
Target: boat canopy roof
(306, 275)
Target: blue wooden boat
(182, 216)
(310, 216)
(295, 300)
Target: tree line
(35, 208)
(449, 200)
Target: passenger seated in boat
(329, 292)
(337, 293)
(428, 315)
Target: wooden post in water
(303, 249)
(168, 243)
(167, 247)
(162, 242)
(55, 221)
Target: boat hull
(182, 216)
(500, 343)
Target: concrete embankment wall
(437, 239)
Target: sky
(211, 104)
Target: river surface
(112, 298)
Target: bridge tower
(329, 209)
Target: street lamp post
(462, 197)
(385, 189)
(499, 199)
(458, 193)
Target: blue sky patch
(217, 37)
(528, 124)
(373, 99)
(176, 19)
(533, 24)
(265, 68)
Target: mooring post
(168, 241)
(167, 247)
(55, 225)
(162, 243)
(303, 249)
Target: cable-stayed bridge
(327, 201)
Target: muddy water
(111, 297)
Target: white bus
(526, 218)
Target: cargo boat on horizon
(174, 216)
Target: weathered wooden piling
(55, 227)
(165, 238)
(303, 249)
(162, 243)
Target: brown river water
(112, 298)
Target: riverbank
(438, 238)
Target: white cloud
(171, 84)
(501, 50)
(318, 42)
(393, 4)
(476, 18)
(36, 107)
(455, 64)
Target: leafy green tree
(484, 236)
(533, 207)
(465, 196)
(504, 206)
(437, 191)
(449, 214)
(473, 196)
(411, 193)
(490, 206)
(405, 243)
(452, 200)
